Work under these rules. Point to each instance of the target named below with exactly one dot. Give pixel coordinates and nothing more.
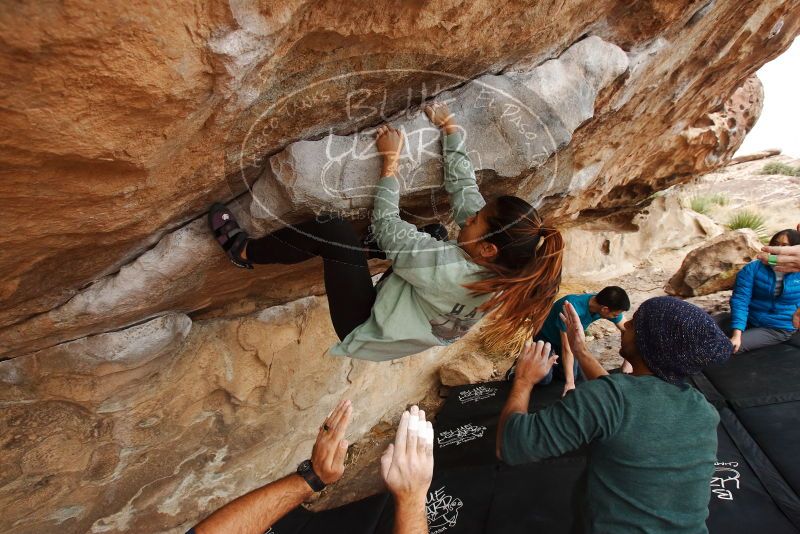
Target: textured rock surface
(615, 244)
(123, 123)
(185, 271)
(513, 124)
(469, 368)
(713, 266)
(150, 428)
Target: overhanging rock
(513, 123)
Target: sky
(779, 124)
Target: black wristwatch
(306, 470)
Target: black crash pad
(754, 489)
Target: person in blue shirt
(610, 303)
(763, 302)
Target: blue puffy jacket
(753, 301)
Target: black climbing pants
(348, 283)
(347, 279)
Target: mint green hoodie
(423, 303)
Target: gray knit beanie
(677, 339)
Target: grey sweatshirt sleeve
(459, 179)
(416, 256)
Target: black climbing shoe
(228, 234)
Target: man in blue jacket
(763, 302)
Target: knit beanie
(677, 339)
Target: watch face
(304, 467)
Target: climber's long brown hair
(526, 271)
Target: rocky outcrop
(714, 265)
(470, 368)
(523, 119)
(615, 244)
(153, 427)
(512, 123)
(755, 156)
(145, 135)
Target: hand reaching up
(441, 117)
(389, 142)
(438, 113)
(330, 449)
(575, 333)
(534, 363)
(407, 465)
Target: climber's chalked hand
(389, 142)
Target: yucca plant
(748, 219)
(720, 199)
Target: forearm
(258, 510)
(589, 364)
(460, 181)
(450, 126)
(568, 363)
(517, 402)
(410, 516)
(389, 167)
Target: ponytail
(526, 273)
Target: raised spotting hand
(330, 449)
(407, 470)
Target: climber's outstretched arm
(459, 175)
(258, 510)
(416, 256)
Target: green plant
(720, 199)
(748, 219)
(700, 204)
(780, 168)
(703, 203)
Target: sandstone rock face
(151, 428)
(713, 266)
(512, 123)
(467, 369)
(160, 112)
(613, 245)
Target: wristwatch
(306, 470)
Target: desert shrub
(704, 203)
(720, 199)
(780, 168)
(748, 219)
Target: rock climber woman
(505, 262)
